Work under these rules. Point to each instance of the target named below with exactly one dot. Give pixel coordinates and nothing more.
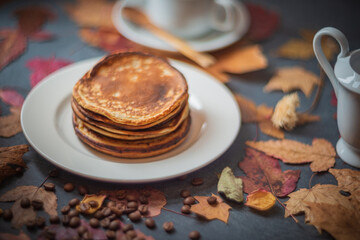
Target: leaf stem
(169, 210)
(311, 179)
(318, 92)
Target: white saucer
(47, 125)
(213, 41)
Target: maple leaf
(261, 200)
(156, 199)
(250, 112)
(321, 154)
(10, 124)
(42, 67)
(99, 199)
(268, 128)
(230, 186)
(11, 97)
(292, 78)
(22, 215)
(263, 23)
(264, 172)
(12, 44)
(218, 211)
(9, 236)
(11, 157)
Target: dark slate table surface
(244, 223)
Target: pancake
(131, 88)
(132, 149)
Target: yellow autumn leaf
(261, 200)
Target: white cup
(192, 18)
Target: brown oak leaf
(9, 236)
(22, 215)
(10, 158)
(292, 78)
(265, 172)
(10, 124)
(250, 112)
(321, 154)
(218, 211)
(12, 44)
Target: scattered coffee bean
(135, 216)
(7, 215)
(93, 204)
(185, 193)
(49, 187)
(54, 219)
(65, 220)
(98, 214)
(87, 236)
(189, 201)
(121, 194)
(143, 199)
(37, 204)
(81, 230)
(105, 223)
(50, 234)
(110, 234)
(146, 193)
(168, 226)
(31, 224)
(131, 197)
(40, 222)
(182, 178)
(150, 223)
(84, 207)
(116, 211)
(73, 202)
(25, 203)
(19, 170)
(132, 204)
(82, 190)
(112, 217)
(106, 212)
(65, 209)
(114, 225)
(194, 235)
(73, 213)
(127, 227)
(143, 209)
(94, 222)
(212, 200)
(131, 234)
(74, 222)
(186, 209)
(111, 204)
(346, 194)
(129, 210)
(54, 173)
(197, 181)
(69, 187)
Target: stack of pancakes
(131, 105)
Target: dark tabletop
(244, 223)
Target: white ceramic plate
(47, 125)
(212, 41)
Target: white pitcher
(345, 78)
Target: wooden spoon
(138, 17)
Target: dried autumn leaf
(42, 67)
(10, 158)
(11, 97)
(41, 36)
(321, 154)
(22, 215)
(12, 44)
(99, 199)
(261, 200)
(230, 186)
(306, 118)
(292, 78)
(156, 199)
(265, 172)
(9, 236)
(10, 124)
(250, 112)
(97, 233)
(139, 234)
(296, 49)
(218, 211)
(285, 115)
(268, 128)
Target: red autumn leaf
(41, 67)
(12, 44)
(41, 36)
(264, 172)
(263, 22)
(11, 97)
(59, 231)
(32, 18)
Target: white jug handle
(344, 46)
(227, 23)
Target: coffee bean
(182, 178)
(81, 230)
(143, 199)
(98, 214)
(69, 187)
(131, 234)
(94, 222)
(116, 211)
(114, 225)
(212, 200)
(110, 234)
(65, 209)
(185, 193)
(143, 209)
(93, 204)
(150, 223)
(346, 194)
(65, 220)
(135, 216)
(7, 215)
(197, 181)
(189, 201)
(54, 219)
(54, 173)
(87, 236)
(73, 202)
(37, 204)
(49, 187)
(50, 234)
(168, 226)
(84, 207)
(132, 204)
(106, 212)
(112, 217)
(25, 203)
(129, 210)
(111, 204)
(73, 213)
(105, 223)
(186, 209)
(194, 235)
(131, 197)
(82, 190)
(121, 194)
(31, 224)
(74, 222)
(40, 222)
(127, 227)
(19, 170)
(146, 193)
